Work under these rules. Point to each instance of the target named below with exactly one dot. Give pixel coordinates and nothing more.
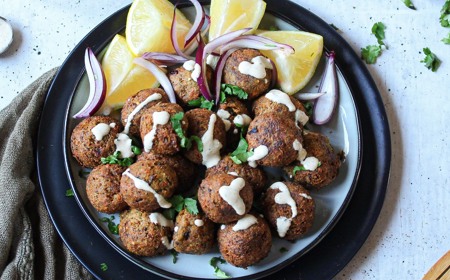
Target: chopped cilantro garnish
(409, 4)
(283, 250)
(431, 60)
(217, 271)
(184, 141)
(113, 228)
(174, 256)
(309, 107)
(378, 30)
(103, 266)
(298, 168)
(445, 14)
(241, 154)
(370, 53)
(227, 89)
(201, 103)
(136, 150)
(446, 40)
(115, 159)
(69, 192)
(179, 203)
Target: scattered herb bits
(409, 4)
(116, 159)
(174, 255)
(446, 40)
(445, 14)
(69, 193)
(378, 30)
(103, 266)
(113, 228)
(431, 61)
(283, 250)
(214, 262)
(370, 53)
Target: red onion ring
(256, 42)
(198, 23)
(202, 80)
(219, 71)
(164, 58)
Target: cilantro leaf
(409, 4)
(184, 141)
(283, 250)
(116, 159)
(198, 141)
(169, 213)
(136, 150)
(309, 106)
(298, 168)
(445, 14)
(431, 61)
(370, 53)
(113, 228)
(174, 256)
(179, 203)
(446, 40)
(241, 154)
(217, 271)
(201, 102)
(378, 30)
(69, 192)
(191, 205)
(228, 89)
(103, 266)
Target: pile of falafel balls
(238, 206)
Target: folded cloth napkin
(29, 245)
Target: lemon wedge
(295, 70)
(123, 77)
(231, 15)
(148, 26)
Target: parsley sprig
(431, 61)
(446, 40)
(378, 30)
(116, 159)
(241, 155)
(445, 14)
(409, 4)
(214, 262)
(201, 102)
(370, 53)
(231, 90)
(179, 203)
(113, 228)
(185, 142)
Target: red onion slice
(224, 39)
(326, 104)
(256, 42)
(307, 96)
(198, 22)
(202, 80)
(160, 75)
(219, 71)
(173, 36)
(97, 85)
(164, 58)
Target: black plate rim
(110, 20)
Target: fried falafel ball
(145, 234)
(276, 135)
(245, 242)
(279, 102)
(254, 176)
(233, 76)
(233, 112)
(321, 162)
(103, 188)
(133, 102)
(185, 170)
(146, 186)
(225, 198)
(89, 143)
(199, 121)
(161, 138)
(185, 87)
(289, 209)
(193, 233)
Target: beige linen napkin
(29, 245)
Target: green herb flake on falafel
(241, 155)
(184, 141)
(228, 89)
(113, 228)
(201, 102)
(115, 159)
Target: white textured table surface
(413, 229)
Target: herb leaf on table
(370, 53)
(409, 4)
(445, 14)
(378, 30)
(431, 61)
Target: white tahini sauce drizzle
(175, 229)
(258, 153)
(165, 241)
(123, 145)
(301, 117)
(199, 222)
(194, 67)
(256, 68)
(159, 219)
(211, 146)
(231, 195)
(153, 97)
(309, 163)
(225, 115)
(101, 130)
(143, 185)
(242, 120)
(245, 222)
(222, 227)
(284, 197)
(233, 173)
(159, 118)
(278, 96)
(305, 195)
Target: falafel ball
(245, 242)
(134, 102)
(328, 162)
(145, 234)
(193, 233)
(281, 103)
(146, 186)
(199, 122)
(289, 209)
(162, 138)
(228, 111)
(225, 198)
(185, 170)
(186, 88)
(89, 143)
(103, 188)
(254, 176)
(278, 135)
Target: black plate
(323, 262)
